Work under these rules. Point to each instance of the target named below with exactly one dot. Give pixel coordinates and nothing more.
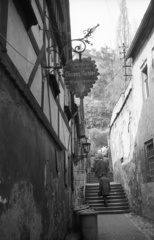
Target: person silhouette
(104, 188)
(101, 172)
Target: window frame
(26, 13)
(152, 53)
(145, 81)
(149, 155)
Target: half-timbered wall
(30, 64)
(35, 128)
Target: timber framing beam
(3, 22)
(34, 70)
(22, 86)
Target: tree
(106, 91)
(99, 138)
(123, 28)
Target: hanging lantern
(86, 147)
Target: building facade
(38, 130)
(132, 123)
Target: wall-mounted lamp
(86, 147)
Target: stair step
(93, 181)
(109, 203)
(91, 178)
(118, 191)
(114, 185)
(111, 194)
(93, 201)
(110, 199)
(117, 201)
(96, 186)
(111, 191)
(115, 196)
(113, 211)
(110, 207)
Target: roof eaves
(144, 30)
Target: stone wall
(147, 191)
(35, 199)
(126, 174)
(132, 126)
(79, 182)
(128, 165)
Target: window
(57, 160)
(66, 168)
(149, 150)
(145, 81)
(152, 57)
(26, 13)
(54, 85)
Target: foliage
(106, 91)
(123, 28)
(99, 138)
(111, 83)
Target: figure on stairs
(92, 162)
(104, 188)
(101, 172)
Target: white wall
(18, 38)
(21, 44)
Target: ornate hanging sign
(80, 76)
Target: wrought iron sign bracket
(87, 33)
(80, 47)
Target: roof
(143, 32)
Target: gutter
(143, 32)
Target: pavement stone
(118, 227)
(143, 224)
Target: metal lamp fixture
(86, 147)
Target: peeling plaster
(127, 174)
(147, 190)
(21, 216)
(38, 202)
(3, 200)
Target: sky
(88, 13)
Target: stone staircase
(117, 200)
(92, 179)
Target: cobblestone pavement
(144, 225)
(124, 227)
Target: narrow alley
(113, 222)
(76, 120)
(116, 221)
(122, 227)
